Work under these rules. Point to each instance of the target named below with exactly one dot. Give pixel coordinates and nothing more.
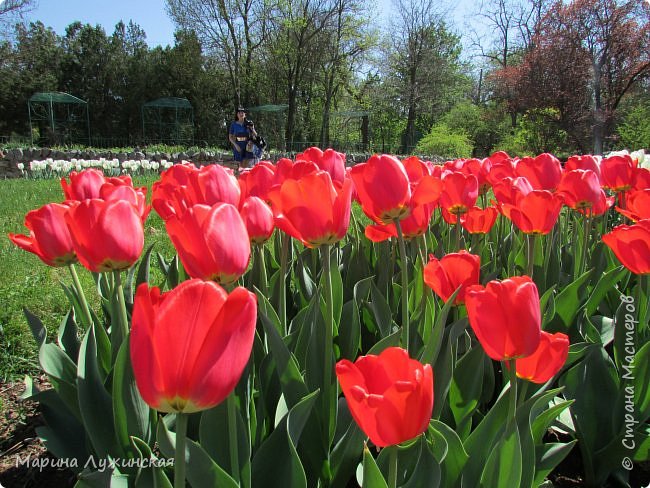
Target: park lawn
(25, 281)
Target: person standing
(240, 132)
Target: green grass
(27, 282)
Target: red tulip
(505, 316)
(49, 237)
(329, 160)
(501, 170)
(580, 190)
(631, 245)
(106, 235)
(617, 172)
(459, 193)
(637, 205)
(215, 184)
(182, 189)
(544, 171)
(547, 360)
(499, 157)
(170, 192)
(312, 209)
(641, 179)
(478, 220)
(415, 225)
(456, 269)
(383, 188)
(390, 396)
(480, 169)
(83, 185)
(212, 242)
(189, 346)
(415, 168)
(135, 196)
(534, 213)
(586, 162)
(509, 190)
(258, 219)
(257, 181)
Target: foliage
(445, 142)
(537, 131)
(634, 129)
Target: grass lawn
(25, 281)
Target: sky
(151, 15)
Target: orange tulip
(390, 396)
(189, 346)
(212, 242)
(456, 269)
(415, 225)
(505, 316)
(312, 209)
(631, 245)
(106, 235)
(49, 237)
(547, 360)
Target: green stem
(458, 232)
(122, 315)
(179, 458)
(512, 410)
(328, 351)
(87, 318)
(392, 466)
(284, 252)
(405, 283)
(576, 249)
(530, 255)
(586, 230)
(231, 405)
(262, 285)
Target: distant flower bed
(49, 168)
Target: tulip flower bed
(479, 322)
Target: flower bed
(480, 320)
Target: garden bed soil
(18, 441)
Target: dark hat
(241, 109)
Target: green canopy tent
(58, 118)
(168, 120)
(269, 123)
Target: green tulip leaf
(291, 381)
(68, 336)
(605, 284)
(276, 463)
(449, 452)
(201, 470)
(95, 404)
(153, 474)
(131, 415)
(504, 465)
(371, 477)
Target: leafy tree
(591, 53)
(423, 64)
(444, 142)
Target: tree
(11, 11)
(424, 64)
(343, 46)
(586, 58)
(230, 31)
